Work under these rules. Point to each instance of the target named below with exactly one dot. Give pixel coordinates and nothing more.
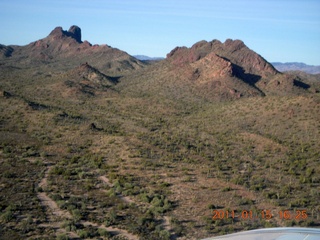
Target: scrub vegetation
(144, 155)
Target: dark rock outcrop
(5, 94)
(6, 51)
(75, 32)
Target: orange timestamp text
(262, 214)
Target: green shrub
(226, 189)
(69, 225)
(76, 215)
(83, 233)
(62, 237)
(164, 235)
(111, 218)
(104, 233)
(7, 216)
(144, 197)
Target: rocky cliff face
(75, 32)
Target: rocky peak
(182, 55)
(73, 32)
(199, 44)
(57, 32)
(234, 45)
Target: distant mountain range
(296, 66)
(147, 58)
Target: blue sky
(279, 30)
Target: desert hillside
(95, 144)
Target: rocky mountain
(65, 49)
(216, 70)
(215, 62)
(296, 66)
(213, 70)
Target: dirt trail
(50, 204)
(166, 223)
(106, 180)
(47, 202)
(123, 198)
(113, 230)
(55, 214)
(44, 181)
(165, 220)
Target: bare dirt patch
(262, 143)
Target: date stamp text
(260, 214)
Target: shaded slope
(82, 81)
(85, 72)
(5, 51)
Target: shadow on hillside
(301, 84)
(249, 78)
(114, 80)
(239, 72)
